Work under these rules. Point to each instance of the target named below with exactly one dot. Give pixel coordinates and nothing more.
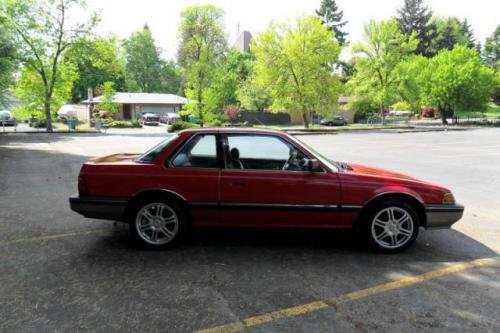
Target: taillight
(82, 186)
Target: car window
(151, 154)
(199, 152)
(262, 152)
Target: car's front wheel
(157, 224)
(391, 226)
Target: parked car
(256, 178)
(170, 118)
(6, 118)
(150, 119)
(37, 123)
(335, 121)
(67, 112)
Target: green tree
(383, 49)
(7, 64)
(97, 60)
(43, 32)
(332, 17)
(457, 80)
(408, 87)
(254, 95)
(144, 64)
(30, 90)
(171, 78)
(447, 32)
(295, 63)
(235, 68)
(200, 55)
(107, 103)
(491, 51)
(414, 17)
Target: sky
(122, 17)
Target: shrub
(401, 106)
(180, 125)
(428, 112)
(232, 112)
(215, 123)
(136, 123)
(122, 124)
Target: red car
(256, 178)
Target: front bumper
(105, 208)
(442, 216)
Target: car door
(264, 184)
(193, 172)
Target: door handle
(238, 184)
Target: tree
(456, 80)
(43, 33)
(235, 68)
(107, 103)
(295, 63)
(408, 88)
(332, 17)
(447, 32)
(171, 77)
(144, 65)
(97, 60)
(414, 17)
(383, 49)
(201, 51)
(254, 95)
(491, 52)
(468, 33)
(7, 64)
(31, 91)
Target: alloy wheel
(157, 223)
(392, 227)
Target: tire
(157, 224)
(391, 226)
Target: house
(242, 43)
(133, 105)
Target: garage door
(156, 109)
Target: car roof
(233, 130)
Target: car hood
(115, 158)
(372, 171)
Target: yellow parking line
(317, 305)
(53, 237)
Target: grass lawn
(492, 111)
(319, 128)
(81, 126)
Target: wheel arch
(411, 199)
(151, 194)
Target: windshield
(151, 154)
(335, 166)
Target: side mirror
(313, 165)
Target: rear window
(152, 153)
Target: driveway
(62, 272)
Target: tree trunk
(382, 114)
(442, 110)
(305, 119)
(48, 116)
(200, 114)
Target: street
(62, 272)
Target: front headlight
(448, 199)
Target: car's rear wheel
(157, 224)
(391, 226)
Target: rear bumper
(443, 216)
(105, 208)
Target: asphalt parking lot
(61, 272)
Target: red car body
(333, 197)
